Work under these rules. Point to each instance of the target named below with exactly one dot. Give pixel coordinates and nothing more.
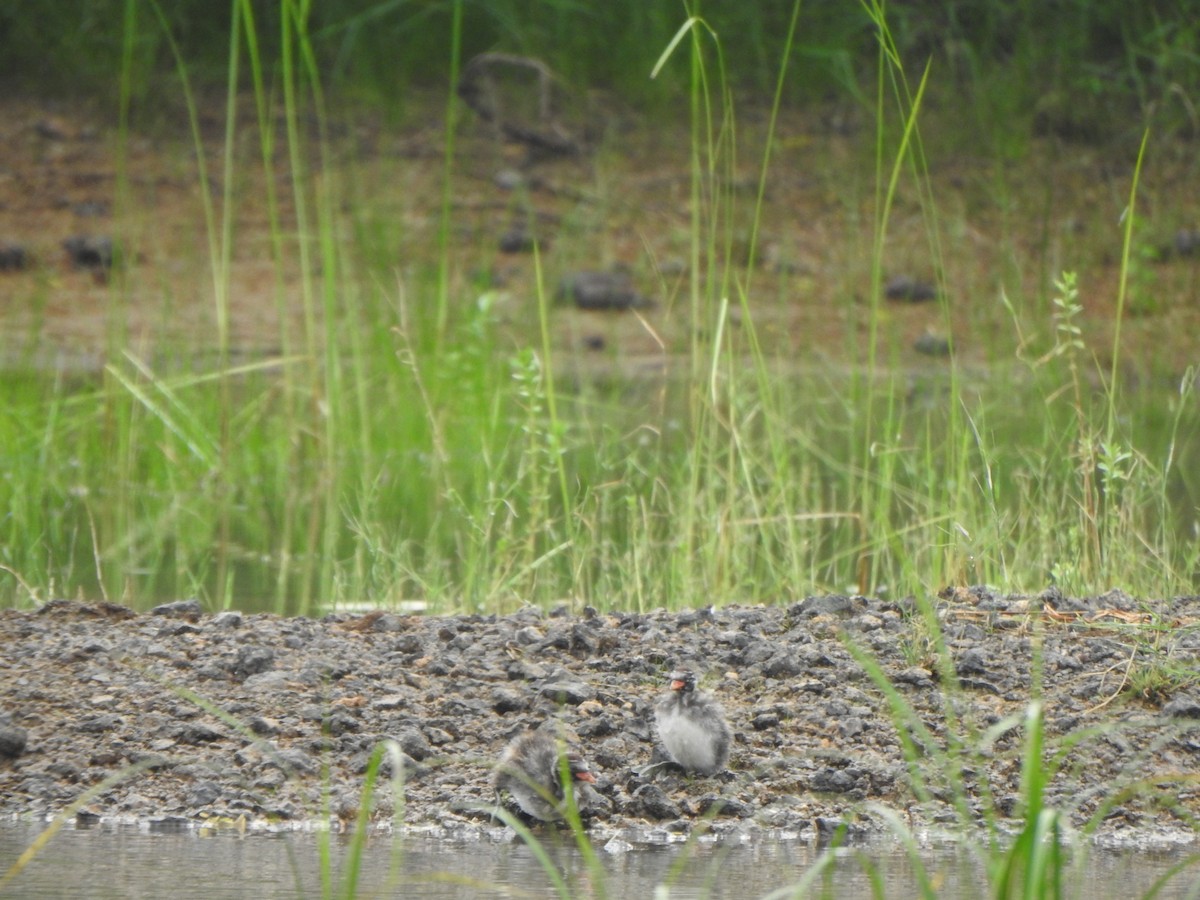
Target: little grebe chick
(692, 727)
(530, 771)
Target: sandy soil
(1002, 229)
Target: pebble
(601, 291)
(909, 289)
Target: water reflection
(132, 863)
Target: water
(135, 863)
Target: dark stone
(12, 741)
(1116, 599)
(827, 826)
(408, 643)
(440, 736)
(63, 770)
(204, 794)
(100, 723)
(728, 807)
(971, 662)
(506, 701)
(694, 616)
(169, 824)
(569, 692)
(851, 727)
(916, 676)
(600, 291)
(782, 665)
(557, 639)
(517, 239)
(1186, 242)
(1183, 708)
(197, 733)
(293, 759)
(388, 622)
(932, 344)
(90, 251)
(497, 87)
(909, 290)
(829, 605)
(601, 726)
(832, 781)
(180, 609)
(253, 661)
(340, 722)
(653, 803)
(91, 209)
(263, 726)
(978, 684)
(764, 721)
(13, 257)
(414, 743)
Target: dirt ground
(1002, 229)
(255, 721)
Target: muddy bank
(88, 690)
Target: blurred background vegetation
(1077, 67)
(290, 479)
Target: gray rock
(932, 344)
(204, 794)
(728, 807)
(409, 643)
(293, 759)
(253, 661)
(971, 662)
(909, 289)
(90, 251)
(917, 676)
(100, 723)
(600, 291)
(414, 743)
(832, 781)
(227, 619)
(268, 682)
(341, 722)
(829, 605)
(507, 701)
(569, 692)
(180, 609)
(13, 741)
(1183, 708)
(13, 257)
(198, 733)
(652, 802)
(782, 665)
(1186, 242)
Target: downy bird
(531, 772)
(692, 727)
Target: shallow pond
(133, 863)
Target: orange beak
(677, 685)
(585, 776)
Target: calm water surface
(132, 863)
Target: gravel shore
(262, 721)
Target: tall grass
(402, 443)
(398, 447)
